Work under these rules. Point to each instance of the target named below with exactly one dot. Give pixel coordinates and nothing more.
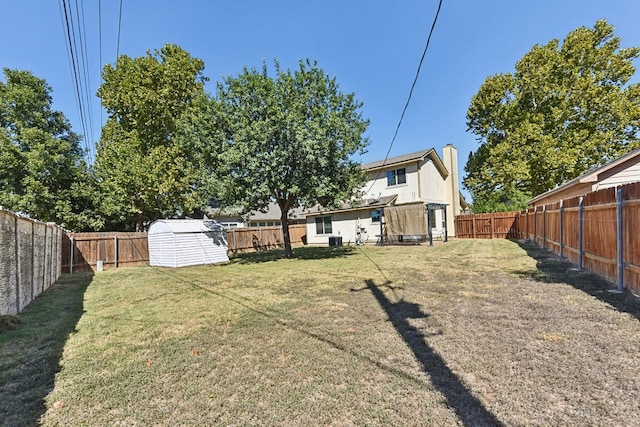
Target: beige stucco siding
(624, 176)
(344, 225)
(406, 192)
(425, 184)
(432, 183)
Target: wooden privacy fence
(498, 225)
(261, 238)
(599, 232)
(30, 260)
(85, 251)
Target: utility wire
(84, 58)
(119, 27)
(70, 33)
(406, 105)
(100, 48)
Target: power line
(68, 26)
(75, 35)
(100, 47)
(74, 30)
(119, 27)
(406, 105)
(85, 70)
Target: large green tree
(567, 108)
(288, 139)
(42, 171)
(148, 157)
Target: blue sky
(372, 48)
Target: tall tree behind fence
(85, 251)
(30, 260)
(599, 231)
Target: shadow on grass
(468, 408)
(550, 268)
(30, 354)
(304, 252)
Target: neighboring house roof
(365, 204)
(589, 181)
(409, 158)
(463, 202)
(274, 213)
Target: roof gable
(409, 158)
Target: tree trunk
(139, 222)
(284, 219)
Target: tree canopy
(567, 108)
(147, 165)
(42, 173)
(287, 139)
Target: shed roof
(183, 226)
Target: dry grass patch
(464, 333)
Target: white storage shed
(183, 242)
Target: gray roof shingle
(418, 155)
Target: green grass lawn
(469, 332)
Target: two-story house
(406, 197)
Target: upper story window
(396, 176)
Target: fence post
(580, 225)
(473, 226)
(535, 225)
(45, 283)
(33, 261)
(544, 231)
(619, 240)
(16, 257)
(115, 250)
(71, 251)
(561, 229)
(235, 244)
(491, 225)
(526, 224)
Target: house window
(396, 177)
(323, 225)
(375, 216)
(265, 224)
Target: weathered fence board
(82, 251)
(30, 260)
(499, 225)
